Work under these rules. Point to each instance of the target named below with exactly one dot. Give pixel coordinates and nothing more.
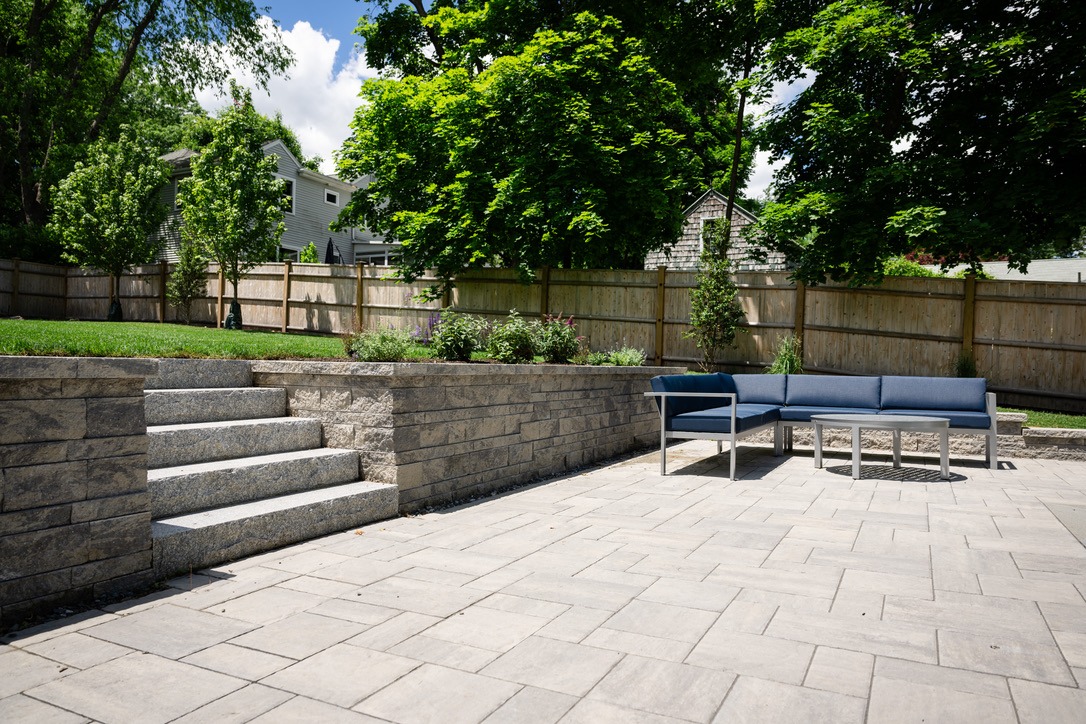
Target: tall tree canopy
(955, 128)
(688, 43)
(72, 70)
(569, 153)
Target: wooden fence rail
(1027, 338)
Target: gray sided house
(312, 202)
(683, 254)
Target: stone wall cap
(14, 368)
(429, 369)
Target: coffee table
(894, 423)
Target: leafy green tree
(715, 310)
(188, 280)
(956, 129)
(309, 254)
(108, 208)
(690, 43)
(232, 203)
(71, 71)
(568, 154)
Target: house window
(285, 254)
(331, 197)
(176, 196)
(288, 195)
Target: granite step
(216, 404)
(181, 374)
(200, 486)
(199, 540)
(203, 442)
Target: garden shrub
(514, 340)
(455, 336)
(308, 255)
(626, 357)
(715, 310)
(380, 345)
(558, 342)
(788, 359)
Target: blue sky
(335, 18)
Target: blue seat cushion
(760, 389)
(747, 417)
(802, 413)
(827, 391)
(958, 418)
(934, 393)
(692, 383)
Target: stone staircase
(231, 475)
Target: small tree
(232, 203)
(308, 255)
(188, 279)
(715, 311)
(107, 209)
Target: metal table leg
(944, 453)
(856, 452)
(818, 444)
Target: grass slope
(147, 339)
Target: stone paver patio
(792, 595)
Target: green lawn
(147, 339)
(1050, 419)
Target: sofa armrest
(664, 395)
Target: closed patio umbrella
(330, 253)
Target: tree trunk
(737, 151)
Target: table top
(883, 422)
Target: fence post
(800, 316)
(969, 305)
(162, 291)
(545, 292)
(222, 291)
(661, 285)
(286, 296)
(358, 296)
(15, 287)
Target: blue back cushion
(760, 389)
(934, 393)
(692, 383)
(826, 391)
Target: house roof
(713, 193)
(280, 148)
(180, 158)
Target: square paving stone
(248, 664)
(594, 711)
(753, 654)
(768, 702)
(444, 653)
(267, 605)
(170, 631)
(342, 675)
(487, 628)
(301, 710)
(996, 653)
(664, 688)
(633, 643)
(439, 695)
(386, 635)
(75, 649)
(137, 687)
(432, 599)
(20, 670)
(1045, 704)
(532, 706)
(300, 635)
(238, 707)
(663, 621)
(556, 665)
(690, 594)
(893, 700)
(21, 708)
(845, 672)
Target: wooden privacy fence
(1027, 338)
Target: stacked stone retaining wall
(444, 432)
(75, 521)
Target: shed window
(331, 197)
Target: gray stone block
(19, 589)
(107, 477)
(176, 407)
(34, 453)
(199, 373)
(107, 569)
(26, 521)
(111, 507)
(189, 488)
(199, 540)
(43, 368)
(43, 420)
(28, 554)
(172, 445)
(115, 416)
(31, 389)
(36, 486)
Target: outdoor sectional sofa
(725, 407)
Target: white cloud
(317, 100)
(781, 94)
